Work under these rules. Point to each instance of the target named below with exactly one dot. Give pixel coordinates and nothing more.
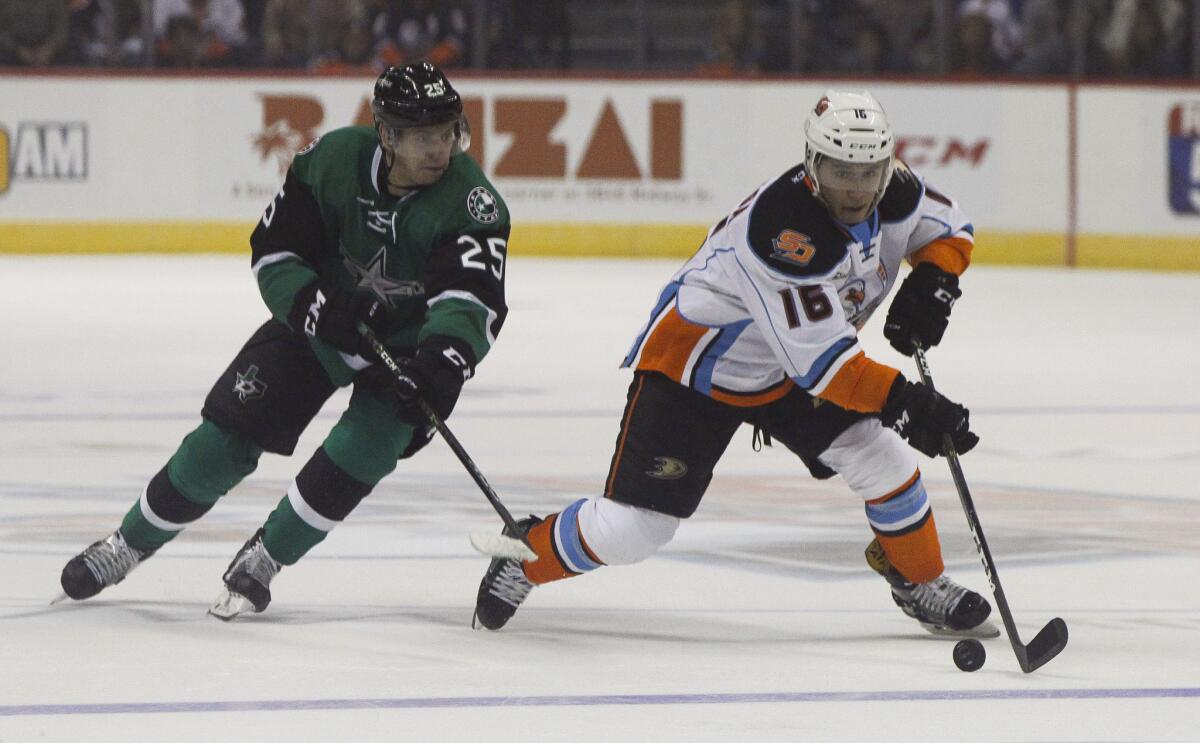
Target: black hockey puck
(969, 655)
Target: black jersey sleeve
(464, 288)
(287, 245)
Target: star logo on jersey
(373, 278)
(667, 468)
(248, 386)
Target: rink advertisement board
(1183, 143)
(588, 166)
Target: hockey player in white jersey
(760, 327)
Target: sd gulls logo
(667, 468)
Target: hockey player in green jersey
(392, 228)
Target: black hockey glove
(920, 310)
(922, 416)
(436, 375)
(333, 315)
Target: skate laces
(256, 563)
(938, 598)
(111, 559)
(509, 584)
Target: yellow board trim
(590, 240)
(3, 160)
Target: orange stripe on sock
(547, 567)
(911, 481)
(917, 554)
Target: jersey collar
(377, 171)
(863, 231)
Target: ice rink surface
(760, 622)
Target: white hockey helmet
(850, 128)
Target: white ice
(760, 622)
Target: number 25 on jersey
(474, 257)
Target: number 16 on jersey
(812, 298)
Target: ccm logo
(941, 152)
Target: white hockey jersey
(776, 293)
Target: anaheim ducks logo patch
(483, 205)
(667, 468)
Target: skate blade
(498, 545)
(229, 605)
(982, 631)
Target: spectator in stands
(253, 12)
(1047, 48)
(906, 29)
(780, 35)
(1085, 23)
(85, 40)
(297, 31)
(221, 38)
(735, 43)
(974, 54)
(182, 44)
(412, 30)
(988, 36)
(353, 53)
(525, 35)
(107, 32)
(34, 33)
(1137, 40)
(871, 50)
(124, 17)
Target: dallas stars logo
(249, 386)
(373, 278)
(483, 205)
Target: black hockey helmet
(415, 95)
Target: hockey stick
(1051, 640)
(493, 545)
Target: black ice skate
(104, 563)
(504, 586)
(247, 581)
(941, 606)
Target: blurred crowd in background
(965, 38)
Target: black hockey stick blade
(1044, 646)
(1051, 640)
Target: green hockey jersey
(435, 257)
